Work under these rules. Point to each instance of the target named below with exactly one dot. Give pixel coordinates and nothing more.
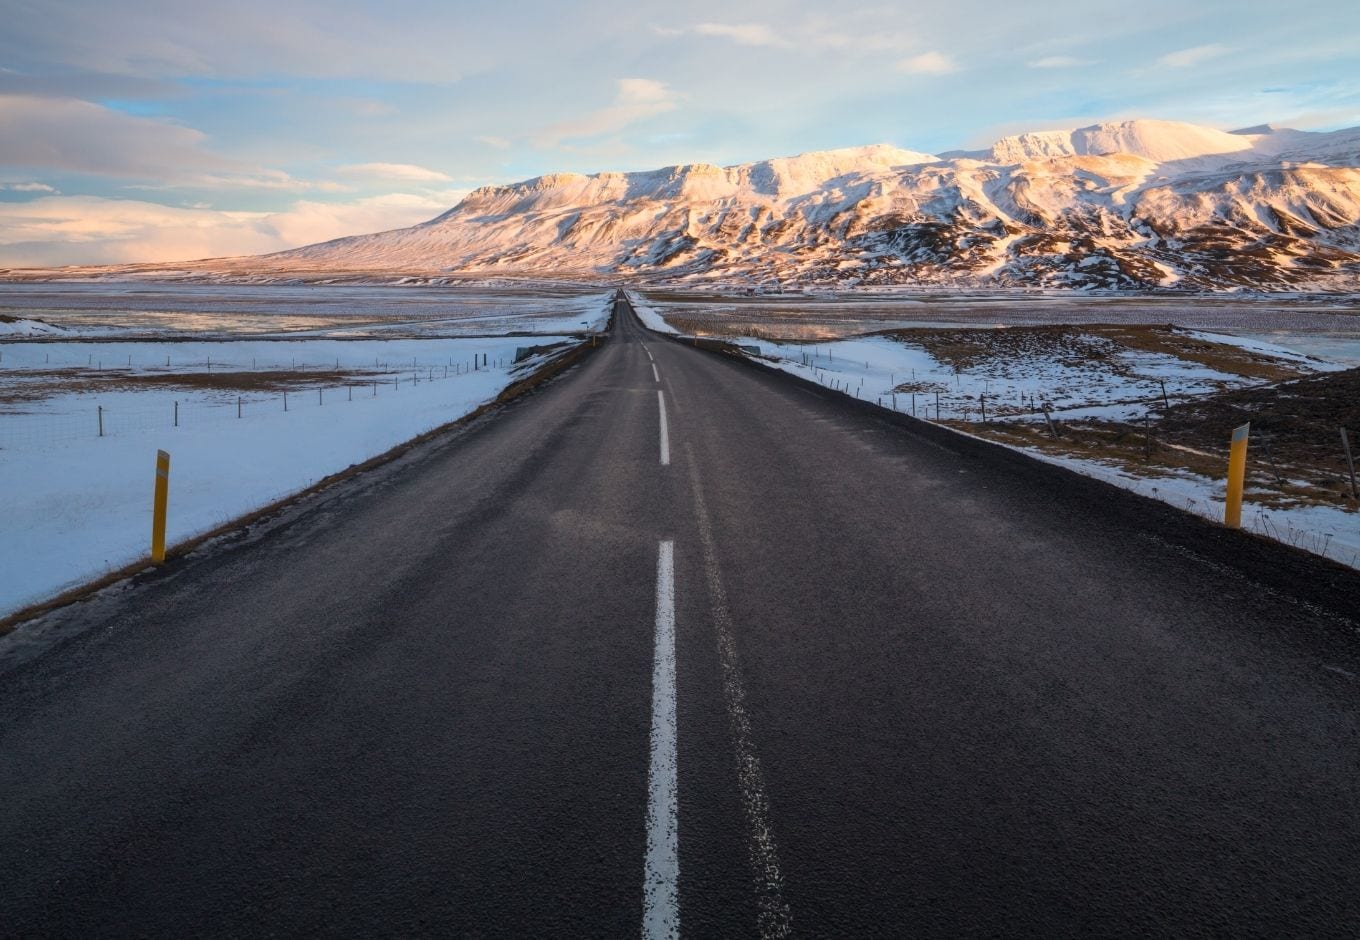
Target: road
(674, 642)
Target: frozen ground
(1326, 326)
(648, 315)
(17, 328)
(145, 310)
(1088, 376)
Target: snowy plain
(74, 506)
(294, 385)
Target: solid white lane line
(774, 918)
(665, 435)
(655, 374)
(660, 895)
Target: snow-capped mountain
(1117, 205)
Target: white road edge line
(655, 374)
(773, 919)
(665, 435)
(661, 875)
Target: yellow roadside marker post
(158, 509)
(1237, 474)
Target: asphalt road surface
(674, 643)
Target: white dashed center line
(660, 897)
(655, 374)
(665, 435)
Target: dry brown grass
(1085, 345)
(275, 381)
(39, 384)
(1218, 356)
(1295, 456)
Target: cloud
(263, 179)
(744, 34)
(1187, 58)
(406, 172)
(81, 137)
(367, 107)
(67, 135)
(1060, 62)
(928, 63)
(500, 143)
(27, 187)
(636, 99)
(83, 84)
(56, 230)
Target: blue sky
(159, 130)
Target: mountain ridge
(1123, 205)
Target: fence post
(1350, 461)
(238, 406)
(101, 420)
(1237, 474)
(1052, 428)
(162, 498)
(176, 414)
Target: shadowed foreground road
(677, 641)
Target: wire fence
(125, 411)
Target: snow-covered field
(648, 315)
(293, 386)
(1096, 378)
(18, 328)
(75, 505)
(146, 310)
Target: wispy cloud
(406, 172)
(27, 188)
(636, 99)
(258, 179)
(928, 63)
(367, 107)
(745, 34)
(1187, 58)
(1060, 62)
(499, 143)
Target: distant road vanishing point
(682, 647)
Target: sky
(160, 130)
